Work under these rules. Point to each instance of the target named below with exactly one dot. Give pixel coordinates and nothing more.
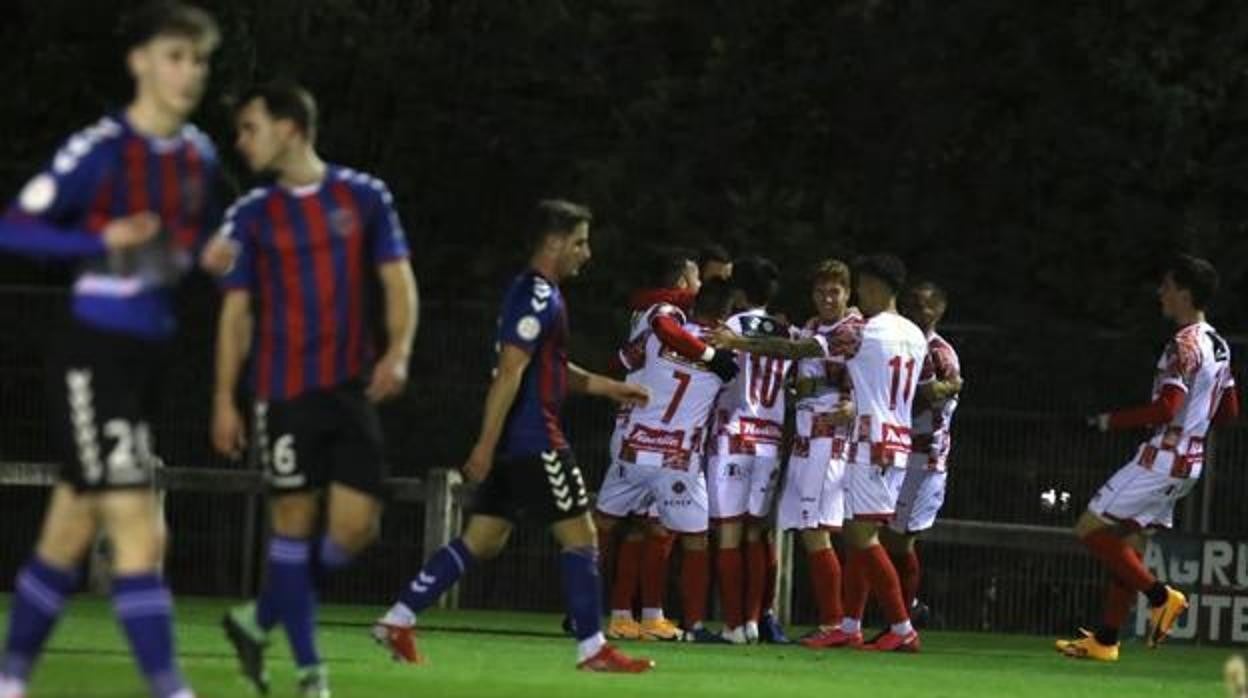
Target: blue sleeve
(238, 227)
(45, 220)
(385, 232)
(527, 314)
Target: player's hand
(724, 365)
(954, 385)
(219, 256)
(844, 413)
(1098, 422)
(131, 231)
(479, 464)
(722, 337)
(389, 377)
(229, 438)
(629, 394)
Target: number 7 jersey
(750, 413)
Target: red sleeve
(1160, 411)
(1228, 407)
(674, 337)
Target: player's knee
(138, 552)
(355, 534)
(694, 541)
(484, 547)
(294, 515)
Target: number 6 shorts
(321, 437)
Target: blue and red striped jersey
(107, 171)
(534, 318)
(303, 254)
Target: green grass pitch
(477, 653)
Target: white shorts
(871, 493)
(814, 490)
(1140, 496)
(919, 499)
(741, 484)
(677, 498)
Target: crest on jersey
(342, 222)
(528, 328)
(678, 487)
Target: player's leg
(622, 494)
(728, 489)
(762, 560)
(656, 554)
(357, 488)
(871, 501)
(46, 581)
(353, 523)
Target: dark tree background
(1034, 157)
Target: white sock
(399, 615)
(902, 628)
(589, 647)
(651, 614)
(621, 614)
(851, 625)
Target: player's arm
(808, 348)
(512, 361)
(233, 346)
(30, 236)
(582, 381)
(402, 316)
(1160, 411)
(1228, 407)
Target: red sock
(907, 565)
(1118, 602)
(825, 580)
(695, 580)
(885, 584)
(627, 573)
(730, 568)
(772, 574)
(1121, 559)
(756, 571)
(654, 557)
(856, 585)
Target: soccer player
(305, 244)
(521, 457)
(886, 361)
(714, 262)
(1192, 390)
(659, 459)
(813, 498)
(921, 491)
(658, 311)
(745, 461)
(128, 199)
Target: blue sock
(289, 597)
(582, 590)
(145, 609)
(39, 595)
(333, 556)
(440, 573)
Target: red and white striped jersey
(750, 413)
(672, 425)
(930, 432)
(830, 378)
(886, 360)
(632, 356)
(1198, 362)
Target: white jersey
(671, 427)
(886, 360)
(829, 378)
(750, 413)
(931, 431)
(1198, 362)
(633, 356)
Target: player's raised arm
(582, 381)
(402, 316)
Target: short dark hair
(666, 266)
(284, 100)
(885, 267)
(714, 299)
(929, 287)
(757, 277)
(168, 17)
(831, 270)
(712, 252)
(1196, 275)
(557, 217)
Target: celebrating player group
(735, 426)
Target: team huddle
(735, 426)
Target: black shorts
(104, 389)
(544, 487)
(320, 437)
